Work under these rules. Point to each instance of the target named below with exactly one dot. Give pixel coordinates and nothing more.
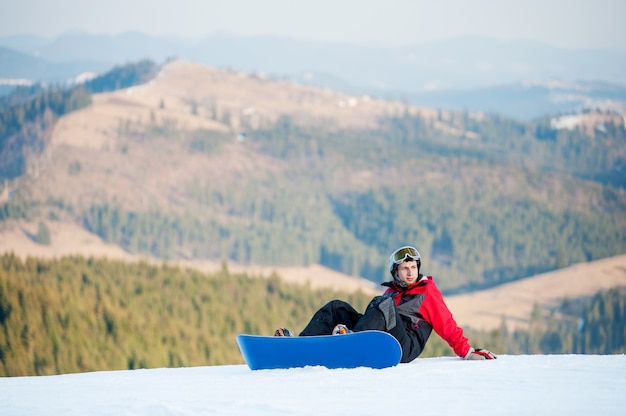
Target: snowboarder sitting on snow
(411, 307)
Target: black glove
(480, 354)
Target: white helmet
(403, 254)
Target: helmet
(405, 253)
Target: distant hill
(208, 164)
(529, 100)
(473, 73)
(513, 303)
(462, 62)
(16, 65)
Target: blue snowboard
(375, 349)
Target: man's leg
(381, 314)
(333, 313)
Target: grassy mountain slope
(67, 240)
(210, 164)
(514, 302)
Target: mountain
(15, 65)
(459, 72)
(463, 62)
(512, 385)
(529, 100)
(208, 164)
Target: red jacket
(428, 305)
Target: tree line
(58, 101)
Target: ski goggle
(402, 253)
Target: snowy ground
(512, 385)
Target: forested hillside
(179, 169)
(80, 314)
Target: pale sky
(564, 23)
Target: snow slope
(512, 385)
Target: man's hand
(480, 354)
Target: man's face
(407, 272)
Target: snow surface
(511, 385)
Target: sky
(566, 23)
(572, 385)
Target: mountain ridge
(455, 72)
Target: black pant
(340, 312)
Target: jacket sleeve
(435, 311)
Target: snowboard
(374, 349)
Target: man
(411, 307)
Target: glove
(480, 354)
